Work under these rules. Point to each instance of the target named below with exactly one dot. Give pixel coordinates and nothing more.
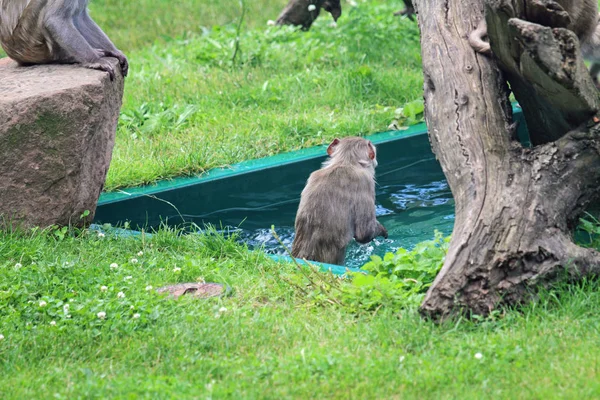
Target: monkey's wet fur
(338, 203)
(56, 31)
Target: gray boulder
(57, 132)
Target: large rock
(57, 132)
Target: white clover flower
(312, 7)
(140, 253)
(136, 316)
(222, 309)
(68, 316)
(103, 288)
(114, 266)
(66, 308)
(478, 356)
(101, 235)
(176, 269)
(270, 23)
(101, 315)
(134, 260)
(120, 295)
(53, 323)
(148, 287)
(131, 307)
(128, 277)
(1, 336)
(43, 303)
(18, 265)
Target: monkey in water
(56, 31)
(584, 23)
(338, 203)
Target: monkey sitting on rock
(56, 31)
(338, 203)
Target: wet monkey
(338, 203)
(56, 31)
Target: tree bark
(304, 12)
(516, 207)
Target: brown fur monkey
(56, 31)
(584, 20)
(591, 52)
(409, 10)
(338, 203)
(584, 23)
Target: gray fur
(55, 31)
(584, 23)
(591, 52)
(338, 204)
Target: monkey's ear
(371, 151)
(332, 146)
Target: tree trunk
(516, 207)
(304, 12)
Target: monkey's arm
(99, 41)
(366, 226)
(365, 235)
(74, 47)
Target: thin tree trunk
(516, 207)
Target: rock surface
(57, 132)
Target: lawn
(267, 340)
(190, 106)
(79, 316)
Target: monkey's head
(334, 8)
(354, 151)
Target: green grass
(189, 106)
(270, 342)
(133, 25)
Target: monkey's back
(21, 33)
(584, 16)
(324, 222)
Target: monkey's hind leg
(94, 35)
(73, 48)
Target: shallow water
(412, 198)
(410, 212)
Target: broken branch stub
(515, 206)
